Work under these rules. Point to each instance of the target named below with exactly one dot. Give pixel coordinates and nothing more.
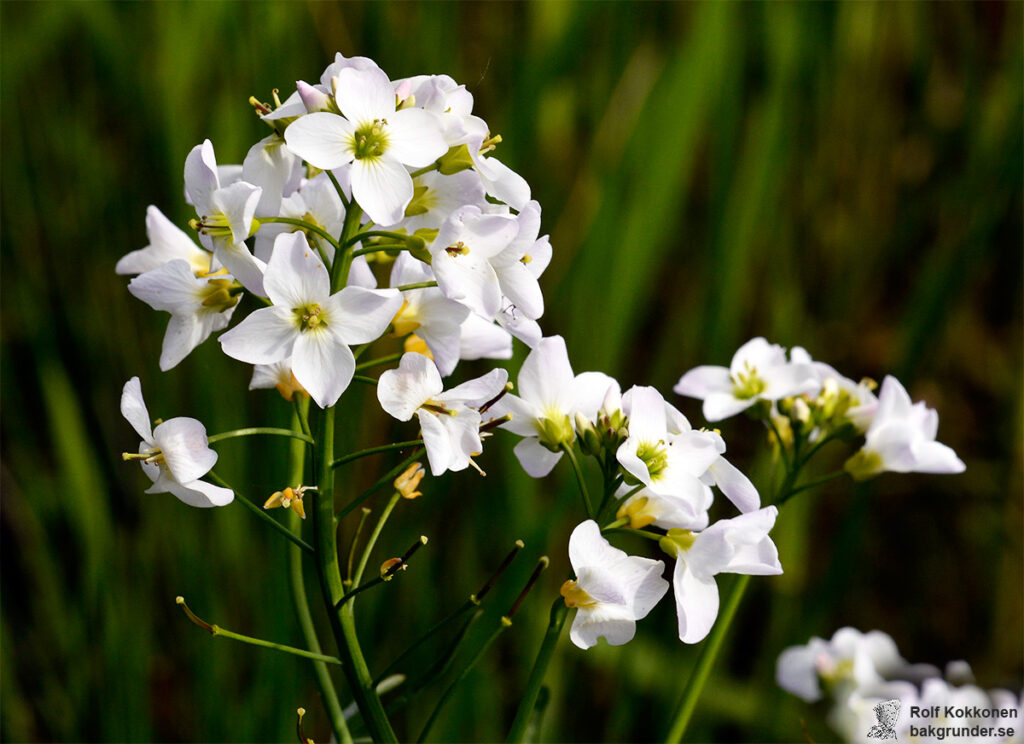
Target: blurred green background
(846, 177)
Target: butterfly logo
(886, 713)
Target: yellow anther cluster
(576, 597)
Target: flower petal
(414, 137)
(383, 188)
(133, 408)
(183, 443)
(295, 276)
(364, 95)
(536, 460)
(361, 315)
(323, 364)
(696, 603)
(322, 139)
(201, 494)
(264, 337)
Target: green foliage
(846, 177)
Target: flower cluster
(813, 400)
(859, 671)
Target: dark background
(846, 177)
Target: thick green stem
(556, 622)
(250, 431)
(297, 584)
(700, 673)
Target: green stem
(639, 533)
(343, 259)
(417, 285)
(778, 440)
(250, 431)
(567, 449)
(305, 226)
(262, 514)
(337, 187)
(382, 481)
(380, 249)
(372, 540)
(425, 169)
(298, 588)
(556, 622)
(446, 696)
(705, 661)
(403, 237)
(381, 360)
(616, 524)
(301, 403)
(216, 630)
(365, 380)
(329, 570)
(375, 451)
(810, 484)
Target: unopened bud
(409, 480)
(312, 98)
(590, 441)
(555, 431)
(457, 159)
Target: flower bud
(555, 432)
(390, 567)
(313, 99)
(457, 159)
(590, 441)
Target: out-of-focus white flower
(901, 438)
(549, 398)
(612, 590)
(279, 376)
(849, 659)
(738, 545)
(176, 453)
(449, 420)
(307, 324)
(839, 396)
(759, 371)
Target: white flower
(177, 453)
(279, 376)
(318, 203)
(466, 257)
(378, 140)
(738, 545)
(839, 396)
(850, 659)
(225, 216)
(549, 398)
(166, 243)
(759, 371)
(436, 196)
(448, 420)
(675, 461)
(500, 181)
(198, 305)
(520, 265)
(612, 590)
(309, 325)
(270, 165)
(901, 438)
(428, 313)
